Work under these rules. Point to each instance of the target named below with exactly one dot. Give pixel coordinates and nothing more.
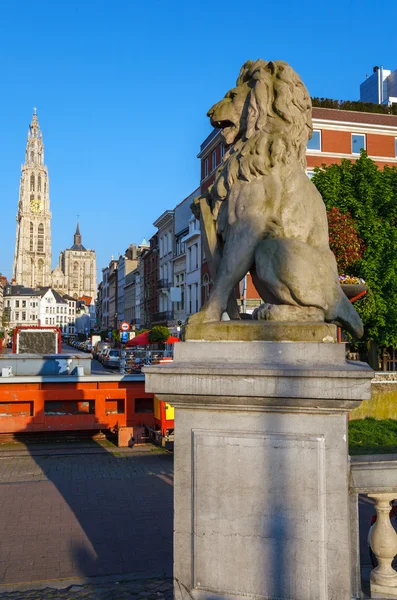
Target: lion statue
(262, 214)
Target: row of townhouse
(171, 279)
(157, 282)
(41, 306)
(46, 306)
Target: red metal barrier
(74, 405)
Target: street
(94, 513)
(96, 367)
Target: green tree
(159, 334)
(343, 239)
(369, 196)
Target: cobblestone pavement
(85, 515)
(159, 589)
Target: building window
(17, 316)
(143, 405)
(24, 316)
(16, 303)
(40, 238)
(315, 142)
(190, 298)
(358, 143)
(32, 183)
(39, 183)
(206, 167)
(223, 150)
(31, 237)
(214, 160)
(197, 299)
(23, 303)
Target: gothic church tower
(32, 258)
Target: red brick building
(150, 259)
(337, 134)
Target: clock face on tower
(36, 205)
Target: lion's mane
(278, 125)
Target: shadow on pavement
(92, 513)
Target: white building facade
(165, 225)
(193, 266)
(26, 306)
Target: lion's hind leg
(294, 273)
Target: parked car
(99, 346)
(111, 359)
(102, 353)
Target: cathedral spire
(78, 239)
(35, 146)
(77, 235)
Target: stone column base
(261, 467)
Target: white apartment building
(21, 306)
(54, 310)
(45, 306)
(127, 263)
(193, 266)
(182, 215)
(165, 225)
(105, 298)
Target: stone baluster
(383, 540)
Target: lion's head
(266, 119)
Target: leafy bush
(343, 239)
(355, 106)
(159, 334)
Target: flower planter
(353, 289)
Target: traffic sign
(124, 337)
(124, 326)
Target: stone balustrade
(377, 478)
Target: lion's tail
(343, 312)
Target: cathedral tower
(79, 267)
(32, 258)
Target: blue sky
(122, 89)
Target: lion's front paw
(274, 228)
(204, 316)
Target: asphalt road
(96, 367)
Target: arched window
(31, 237)
(40, 238)
(39, 183)
(31, 157)
(45, 187)
(32, 183)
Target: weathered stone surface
(261, 492)
(262, 213)
(249, 331)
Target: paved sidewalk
(85, 515)
(152, 589)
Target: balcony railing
(161, 317)
(163, 284)
(377, 479)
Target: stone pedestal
(261, 467)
